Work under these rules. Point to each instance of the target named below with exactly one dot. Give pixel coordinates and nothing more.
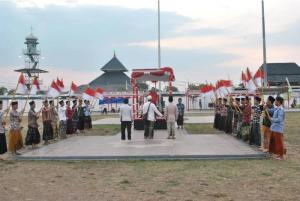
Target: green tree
(142, 86)
(195, 86)
(175, 89)
(3, 90)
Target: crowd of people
(242, 119)
(58, 121)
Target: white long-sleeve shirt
(152, 111)
(126, 113)
(62, 113)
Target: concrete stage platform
(185, 147)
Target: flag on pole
(54, 90)
(244, 79)
(208, 92)
(35, 88)
(259, 77)
(21, 87)
(60, 84)
(224, 87)
(250, 83)
(99, 93)
(88, 94)
(73, 89)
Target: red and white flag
(54, 90)
(224, 87)
(208, 92)
(259, 77)
(250, 83)
(99, 93)
(21, 87)
(73, 89)
(88, 94)
(35, 88)
(244, 79)
(60, 84)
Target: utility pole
(159, 50)
(264, 46)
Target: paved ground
(190, 119)
(184, 147)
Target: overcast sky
(202, 40)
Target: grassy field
(245, 180)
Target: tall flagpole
(264, 46)
(159, 50)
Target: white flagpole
(264, 46)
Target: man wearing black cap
(236, 115)
(75, 116)
(246, 119)
(266, 124)
(230, 109)
(255, 134)
(62, 120)
(33, 134)
(47, 126)
(15, 140)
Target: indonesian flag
(208, 92)
(244, 79)
(259, 77)
(73, 89)
(21, 87)
(88, 94)
(250, 83)
(224, 87)
(99, 93)
(60, 84)
(35, 88)
(54, 90)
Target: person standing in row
(62, 120)
(3, 144)
(54, 118)
(277, 127)
(69, 115)
(149, 111)
(268, 114)
(75, 116)
(126, 120)
(230, 111)
(217, 113)
(15, 140)
(255, 134)
(180, 108)
(171, 115)
(48, 129)
(87, 115)
(80, 116)
(223, 115)
(246, 119)
(33, 135)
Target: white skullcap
(149, 98)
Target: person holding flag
(255, 134)
(75, 116)
(3, 144)
(69, 115)
(268, 114)
(54, 118)
(62, 120)
(246, 119)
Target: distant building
(278, 72)
(113, 79)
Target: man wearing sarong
(62, 120)
(87, 115)
(223, 115)
(246, 119)
(75, 116)
(277, 140)
(180, 118)
(15, 140)
(54, 118)
(217, 113)
(33, 135)
(268, 113)
(236, 115)
(3, 144)
(230, 110)
(255, 134)
(48, 129)
(80, 110)
(69, 115)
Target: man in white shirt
(62, 120)
(149, 109)
(126, 120)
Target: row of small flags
(56, 89)
(224, 88)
